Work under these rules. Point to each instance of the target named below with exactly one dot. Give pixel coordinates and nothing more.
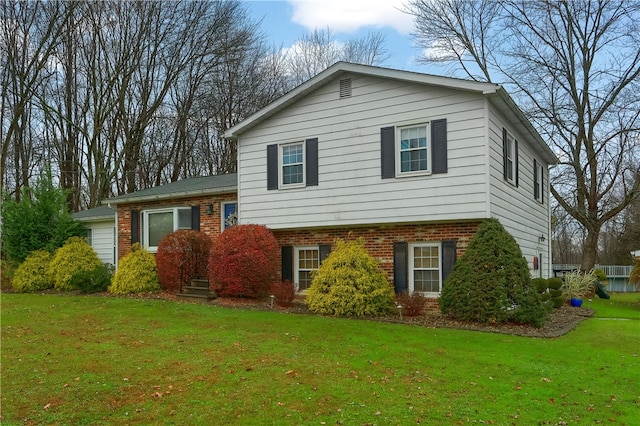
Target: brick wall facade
(209, 223)
(379, 239)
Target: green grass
(87, 360)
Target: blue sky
(286, 21)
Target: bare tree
(574, 66)
(319, 49)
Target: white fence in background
(618, 276)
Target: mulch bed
(560, 322)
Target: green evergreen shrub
(40, 220)
(490, 283)
(94, 281)
(243, 261)
(182, 255)
(554, 283)
(136, 273)
(75, 256)
(33, 274)
(541, 284)
(350, 282)
(7, 269)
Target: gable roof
(96, 214)
(203, 185)
(494, 92)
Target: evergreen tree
(40, 220)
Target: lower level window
(425, 274)
(306, 260)
(158, 223)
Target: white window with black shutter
(292, 165)
(157, 223)
(299, 263)
(509, 157)
(538, 181)
(414, 150)
(422, 267)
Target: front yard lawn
(86, 360)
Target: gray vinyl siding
(350, 189)
(516, 208)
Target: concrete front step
(198, 290)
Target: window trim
(144, 226)
(398, 150)
(411, 270)
(281, 184)
(296, 265)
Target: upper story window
(538, 176)
(158, 223)
(413, 153)
(414, 150)
(509, 157)
(292, 164)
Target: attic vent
(345, 88)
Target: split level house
(411, 163)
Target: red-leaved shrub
(283, 293)
(243, 261)
(182, 255)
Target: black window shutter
(505, 172)
(195, 217)
(387, 152)
(312, 161)
(515, 143)
(287, 263)
(400, 267)
(542, 185)
(448, 258)
(439, 146)
(536, 183)
(135, 227)
(324, 251)
(272, 167)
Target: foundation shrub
(283, 293)
(75, 256)
(541, 284)
(243, 261)
(554, 283)
(94, 281)
(350, 282)
(490, 283)
(412, 304)
(137, 273)
(33, 274)
(182, 256)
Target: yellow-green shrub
(33, 273)
(350, 282)
(137, 273)
(76, 255)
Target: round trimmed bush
(182, 255)
(350, 282)
(243, 261)
(136, 273)
(490, 283)
(75, 256)
(33, 273)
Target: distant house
(101, 231)
(411, 163)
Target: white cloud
(349, 16)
